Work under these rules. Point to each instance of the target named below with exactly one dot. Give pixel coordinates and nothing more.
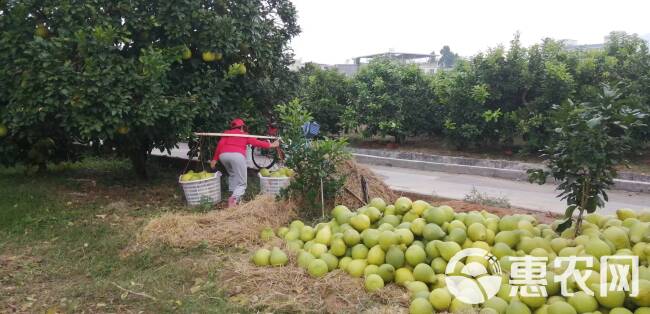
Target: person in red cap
(231, 152)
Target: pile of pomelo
(195, 176)
(410, 243)
(280, 173)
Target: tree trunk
(138, 158)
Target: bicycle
(267, 158)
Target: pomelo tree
(135, 75)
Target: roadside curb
(504, 169)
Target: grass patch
(62, 234)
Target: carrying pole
(236, 135)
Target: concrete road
(519, 194)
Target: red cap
(236, 123)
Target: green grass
(62, 237)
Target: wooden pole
(236, 135)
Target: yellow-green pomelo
(294, 246)
(640, 232)
(431, 250)
(391, 219)
(620, 310)
(477, 232)
(360, 222)
(440, 299)
(282, 231)
(278, 257)
(297, 224)
(403, 204)
(447, 249)
(617, 236)
(409, 217)
(488, 310)
(351, 237)
(373, 213)
(317, 268)
(374, 283)
(625, 213)
(415, 255)
(436, 215)
(378, 203)
(598, 248)
(497, 304)
(304, 258)
(457, 235)
(317, 249)
(417, 226)
(582, 302)
(558, 244)
(419, 206)
(261, 257)
(423, 272)
(432, 232)
(338, 247)
(390, 210)
(395, 257)
(370, 269)
(324, 235)
(504, 292)
(331, 260)
(356, 267)
(561, 307)
(386, 272)
(376, 255)
(420, 306)
(403, 275)
(359, 251)
(370, 237)
(612, 299)
(438, 265)
(511, 238)
(416, 286)
(458, 306)
(307, 233)
(405, 236)
(643, 299)
(501, 249)
(343, 263)
(642, 310)
(389, 238)
(517, 307)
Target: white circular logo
(474, 284)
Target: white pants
(235, 164)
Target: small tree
(315, 161)
(591, 140)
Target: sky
(335, 31)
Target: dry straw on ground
(239, 226)
(376, 185)
(291, 289)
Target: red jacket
(228, 144)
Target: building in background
(426, 62)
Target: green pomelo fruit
(317, 268)
(415, 255)
(420, 306)
(278, 257)
(374, 283)
(440, 299)
(261, 257)
(561, 307)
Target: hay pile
(291, 289)
(376, 186)
(239, 226)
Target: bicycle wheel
(264, 158)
